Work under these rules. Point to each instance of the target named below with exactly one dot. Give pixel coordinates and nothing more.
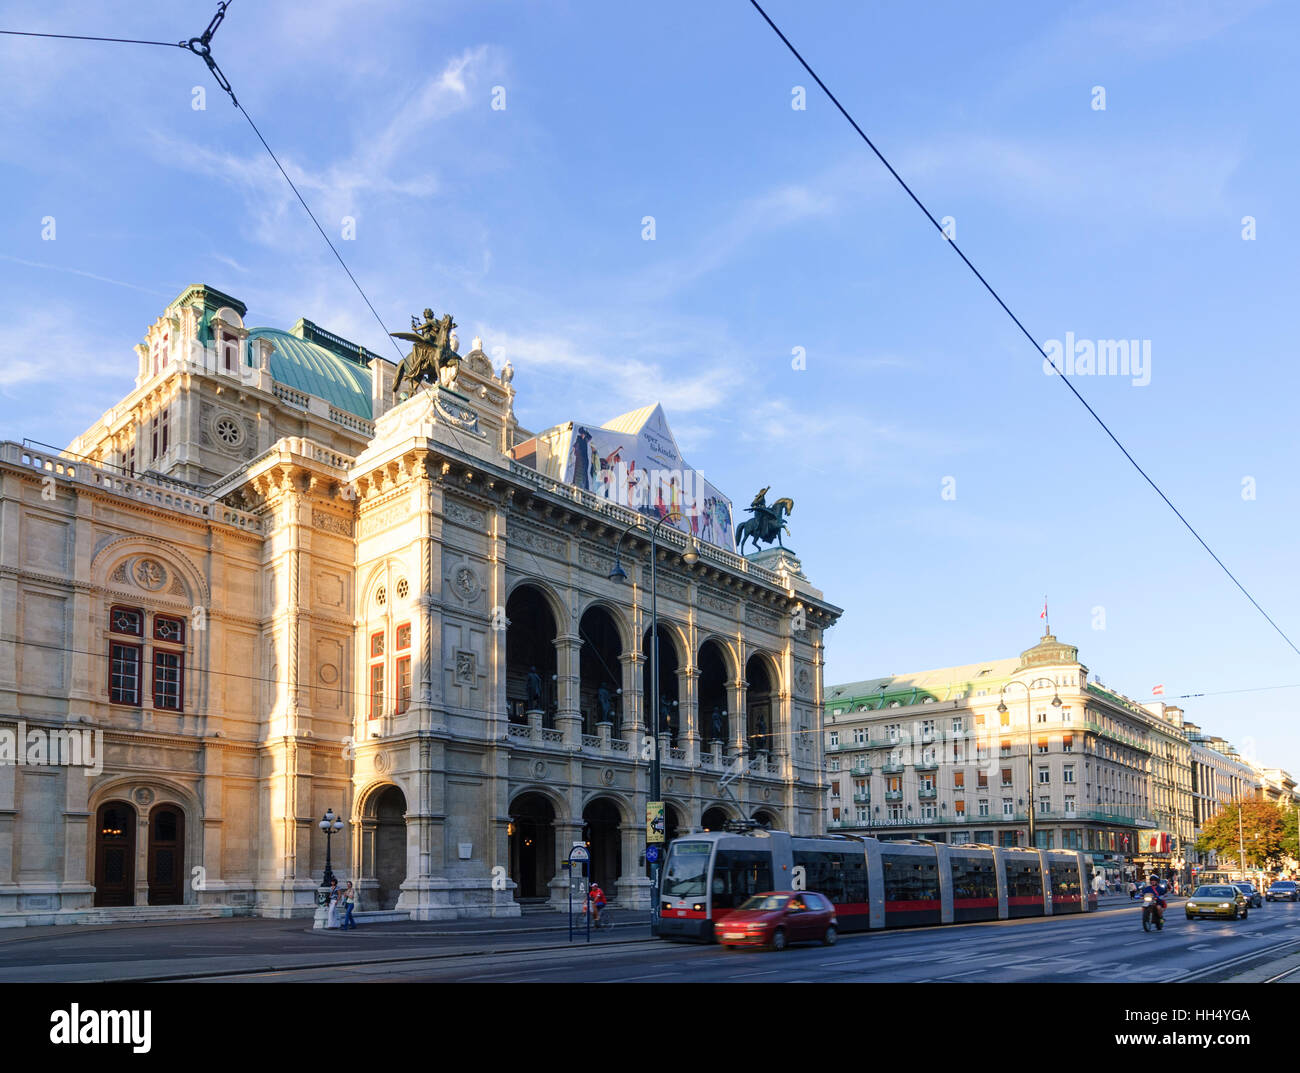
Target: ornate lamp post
(690, 557)
(330, 824)
(1029, 732)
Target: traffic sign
(579, 853)
(651, 854)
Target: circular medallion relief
(668, 783)
(803, 679)
(143, 796)
(381, 762)
(149, 574)
(767, 793)
(465, 582)
(329, 674)
(607, 776)
(539, 769)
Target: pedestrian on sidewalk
(349, 904)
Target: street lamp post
(329, 824)
(1029, 733)
(690, 557)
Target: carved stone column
(568, 717)
(688, 683)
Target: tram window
(972, 877)
(739, 874)
(908, 879)
(1024, 881)
(842, 877)
(688, 865)
(1065, 880)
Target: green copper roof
(311, 368)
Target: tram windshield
(688, 869)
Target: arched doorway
(669, 708)
(600, 830)
(760, 732)
(390, 845)
(166, 855)
(673, 824)
(714, 819)
(530, 649)
(532, 846)
(115, 854)
(600, 676)
(765, 819)
(715, 722)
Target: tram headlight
(698, 907)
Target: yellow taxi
(1218, 900)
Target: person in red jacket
(597, 898)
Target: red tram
(873, 884)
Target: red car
(778, 918)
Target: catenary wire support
(202, 47)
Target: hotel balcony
(928, 794)
(891, 769)
(862, 798)
(893, 795)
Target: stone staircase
(134, 914)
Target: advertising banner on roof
(634, 461)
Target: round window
(381, 596)
(403, 589)
(228, 431)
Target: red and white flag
(1044, 614)
(1158, 691)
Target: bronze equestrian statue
(766, 524)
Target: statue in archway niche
(767, 523)
(668, 717)
(533, 688)
(605, 702)
(717, 726)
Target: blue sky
(775, 229)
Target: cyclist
(597, 898)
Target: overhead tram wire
(83, 37)
(1016, 320)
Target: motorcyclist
(1156, 888)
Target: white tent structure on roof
(634, 460)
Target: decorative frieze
(543, 542)
(331, 523)
(463, 514)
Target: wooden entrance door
(115, 854)
(166, 855)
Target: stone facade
(301, 599)
(929, 755)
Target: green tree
(1262, 834)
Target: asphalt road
(1100, 947)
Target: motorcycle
(1151, 913)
